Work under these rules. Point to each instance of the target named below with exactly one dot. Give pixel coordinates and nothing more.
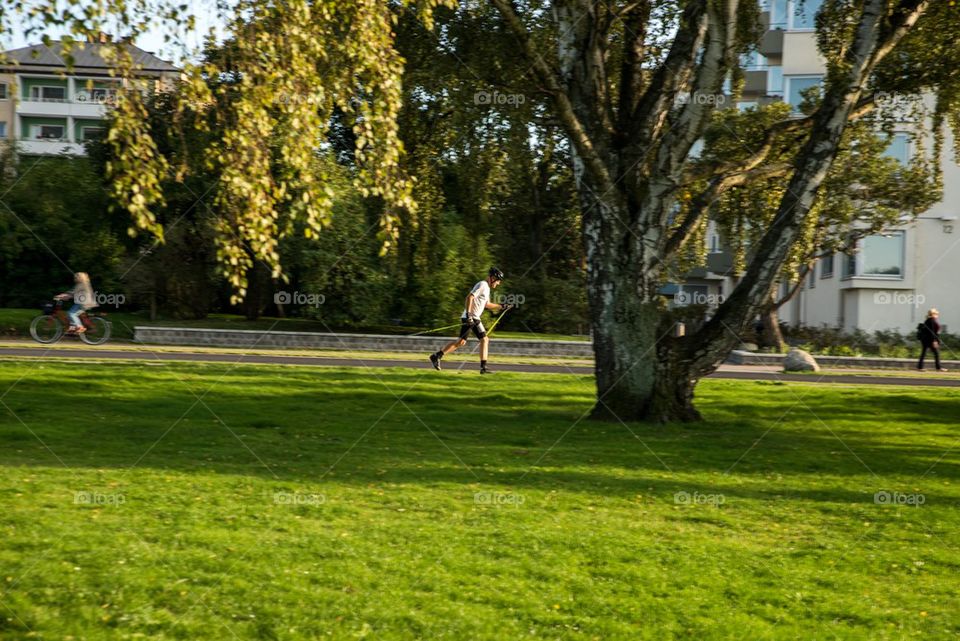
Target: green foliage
(176, 277)
(54, 222)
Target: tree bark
(771, 336)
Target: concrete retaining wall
(738, 357)
(349, 342)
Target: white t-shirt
(481, 296)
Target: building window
(778, 13)
(91, 133)
(4, 91)
(775, 81)
(48, 94)
(812, 276)
(826, 266)
(796, 85)
(48, 132)
(3, 130)
(803, 13)
(899, 148)
(753, 61)
(878, 256)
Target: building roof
(85, 56)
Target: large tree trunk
(642, 369)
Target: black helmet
(496, 273)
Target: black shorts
(477, 326)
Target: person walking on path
(929, 334)
(477, 300)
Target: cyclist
(83, 299)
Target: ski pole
(430, 331)
(499, 318)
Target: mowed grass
(193, 501)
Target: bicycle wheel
(46, 328)
(98, 331)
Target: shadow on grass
(363, 427)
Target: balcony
(37, 147)
(771, 44)
(80, 107)
(755, 82)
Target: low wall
(349, 342)
(738, 357)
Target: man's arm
(467, 304)
(496, 306)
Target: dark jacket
(933, 331)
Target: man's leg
(484, 349)
(923, 352)
(936, 356)
(453, 346)
(450, 347)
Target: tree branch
(700, 204)
(573, 126)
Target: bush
(832, 341)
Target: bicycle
(49, 326)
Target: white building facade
(48, 109)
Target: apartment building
(48, 109)
(894, 277)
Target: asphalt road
(740, 372)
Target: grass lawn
(16, 323)
(193, 501)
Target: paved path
(741, 372)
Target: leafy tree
(54, 221)
(617, 83)
(177, 277)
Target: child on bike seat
(83, 299)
